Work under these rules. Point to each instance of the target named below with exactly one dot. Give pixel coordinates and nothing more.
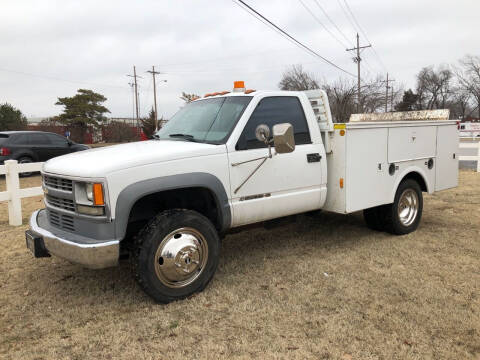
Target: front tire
(404, 215)
(175, 255)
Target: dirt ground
(324, 287)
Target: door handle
(315, 157)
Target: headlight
(89, 198)
(89, 191)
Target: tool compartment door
(411, 143)
(447, 157)
(367, 182)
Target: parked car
(34, 146)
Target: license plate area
(36, 245)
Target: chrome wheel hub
(181, 257)
(408, 207)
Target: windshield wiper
(156, 137)
(187, 137)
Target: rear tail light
(5, 151)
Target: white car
(228, 160)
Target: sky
(49, 49)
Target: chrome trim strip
(95, 256)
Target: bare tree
(460, 105)
(468, 76)
(434, 87)
(297, 79)
(341, 96)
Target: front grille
(65, 204)
(58, 183)
(62, 221)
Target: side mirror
(283, 138)
(262, 133)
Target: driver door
(285, 184)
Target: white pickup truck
(228, 160)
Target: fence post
(478, 156)
(13, 187)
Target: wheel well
(418, 178)
(198, 199)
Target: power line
(298, 43)
(332, 22)
(364, 34)
(321, 24)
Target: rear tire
(175, 255)
(375, 218)
(404, 215)
(25, 160)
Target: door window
(57, 140)
(271, 111)
(20, 139)
(38, 139)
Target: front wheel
(175, 255)
(403, 216)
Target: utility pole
(388, 81)
(391, 101)
(153, 72)
(136, 94)
(358, 59)
(133, 99)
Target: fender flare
(133, 192)
(404, 173)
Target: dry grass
(324, 287)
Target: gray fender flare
(134, 192)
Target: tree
(11, 118)
(433, 87)
(341, 96)
(468, 76)
(297, 79)
(189, 97)
(83, 110)
(409, 102)
(118, 132)
(148, 124)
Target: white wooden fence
(14, 194)
(471, 145)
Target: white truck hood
(99, 162)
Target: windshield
(209, 120)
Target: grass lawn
(324, 287)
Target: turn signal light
(341, 183)
(98, 195)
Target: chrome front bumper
(87, 252)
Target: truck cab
(223, 161)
